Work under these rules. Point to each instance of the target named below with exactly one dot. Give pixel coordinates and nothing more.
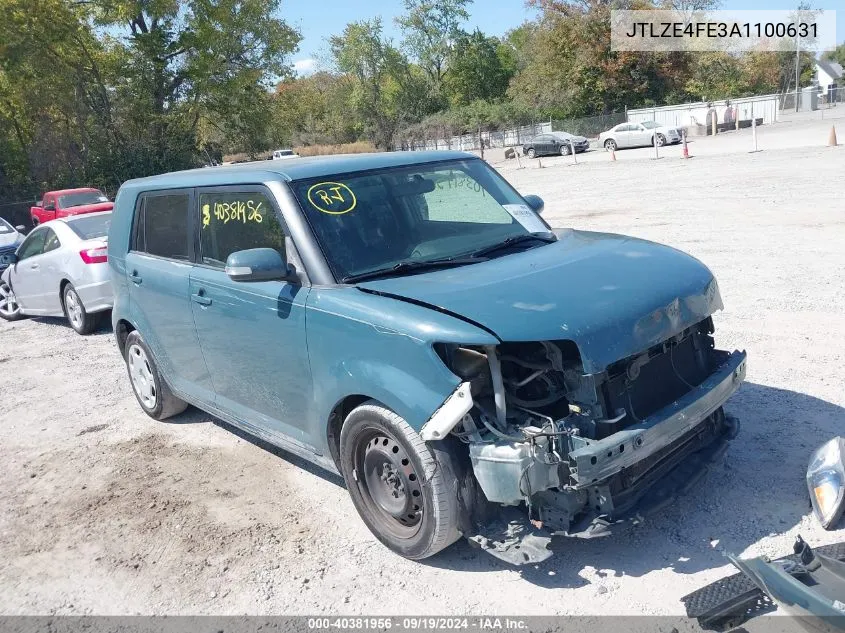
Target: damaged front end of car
(582, 451)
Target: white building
(830, 76)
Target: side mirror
(535, 202)
(259, 264)
(9, 259)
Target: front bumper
(599, 460)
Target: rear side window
(161, 228)
(235, 221)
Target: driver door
(252, 333)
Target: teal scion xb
(410, 321)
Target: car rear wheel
(75, 312)
(152, 393)
(531, 153)
(610, 145)
(565, 149)
(10, 310)
(661, 140)
(398, 485)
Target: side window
(236, 221)
(161, 228)
(51, 241)
(32, 245)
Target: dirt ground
(104, 511)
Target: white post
(754, 132)
(654, 141)
(572, 149)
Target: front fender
(379, 347)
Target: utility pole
(797, 67)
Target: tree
(571, 71)
(182, 61)
(476, 70)
(836, 55)
(431, 27)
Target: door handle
(135, 277)
(201, 299)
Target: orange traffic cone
(613, 154)
(831, 140)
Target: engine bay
(544, 433)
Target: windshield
(285, 152)
(5, 227)
(83, 197)
(650, 125)
(89, 227)
(373, 220)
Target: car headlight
(826, 481)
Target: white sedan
(60, 270)
(638, 135)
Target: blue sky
(320, 19)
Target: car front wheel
(10, 310)
(398, 485)
(565, 149)
(610, 145)
(531, 153)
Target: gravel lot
(104, 511)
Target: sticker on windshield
(333, 198)
(523, 214)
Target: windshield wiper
(513, 241)
(409, 265)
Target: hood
(10, 239)
(613, 295)
(89, 208)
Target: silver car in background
(60, 270)
(638, 135)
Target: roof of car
(63, 192)
(294, 169)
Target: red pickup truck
(60, 204)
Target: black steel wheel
(398, 486)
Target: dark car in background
(555, 144)
(10, 238)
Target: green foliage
(836, 55)
(430, 26)
(480, 67)
(100, 91)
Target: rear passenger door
(158, 268)
(252, 332)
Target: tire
(415, 511)
(75, 312)
(610, 145)
(565, 150)
(152, 393)
(661, 140)
(34, 222)
(531, 153)
(10, 310)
